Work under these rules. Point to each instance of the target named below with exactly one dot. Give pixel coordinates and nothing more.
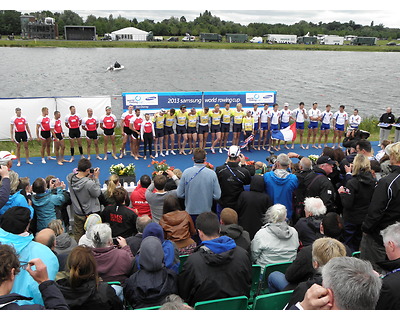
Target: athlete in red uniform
(108, 123)
(18, 132)
(126, 131)
(147, 134)
(73, 121)
(58, 137)
(90, 125)
(134, 125)
(43, 133)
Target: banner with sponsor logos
(157, 100)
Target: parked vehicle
(282, 38)
(173, 39)
(189, 38)
(368, 41)
(236, 37)
(256, 40)
(158, 38)
(391, 43)
(332, 40)
(208, 37)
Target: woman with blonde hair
(82, 289)
(112, 184)
(356, 198)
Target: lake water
(366, 80)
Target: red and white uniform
(147, 127)
(44, 123)
(126, 116)
(109, 121)
(19, 123)
(56, 125)
(73, 121)
(136, 121)
(90, 123)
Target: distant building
(31, 28)
(282, 38)
(79, 33)
(132, 34)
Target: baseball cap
(162, 110)
(325, 159)
(6, 156)
(108, 107)
(286, 104)
(234, 151)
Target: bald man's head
(47, 237)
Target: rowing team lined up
(190, 127)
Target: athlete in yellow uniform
(225, 124)
(192, 119)
(204, 118)
(248, 127)
(181, 131)
(238, 115)
(216, 115)
(169, 131)
(159, 119)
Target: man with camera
(85, 190)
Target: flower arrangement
(313, 158)
(249, 162)
(160, 166)
(209, 165)
(122, 170)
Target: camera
(54, 180)
(91, 170)
(271, 159)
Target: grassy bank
(197, 45)
(368, 124)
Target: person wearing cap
(386, 120)
(326, 118)
(204, 128)
(383, 210)
(284, 116)
(108, 122)
(19, 128)
(340, 121)
(233, 175)
(192, 119)
(181, 130)
(299, 115)
(226, 118)
(43, 125)
(126, 130)
(14, 225)
(317, 183)
(280, 183)
(169, 134)
(73, 121)
(314, 115)
(90, 125)
(216, 115)
(159, 119)
(199, 186)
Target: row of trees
(205, 22)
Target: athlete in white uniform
(326, 118)
(355, 120)
(314, 115)
(340, 120)
(285, 115)
(299, 115)
(263, 127)
(256, 116)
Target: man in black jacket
(232, 176)
(383, 211)
(387, 118)
(10, 267)
(217, 269)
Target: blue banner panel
(246, 98)
(166, 100)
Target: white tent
(131, 34)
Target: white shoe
(156, 155)
(226, 149)
(43, 160)
(220, 150)
(212, 150)
(51, 158)
(173, 152)
(166, 153)
(162, 154)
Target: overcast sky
(288, 12)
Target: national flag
(287, 134)
(246, 142)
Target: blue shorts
(313, 125)
(325, 126)
(203, 129)
(264, 126)
(237, 127)
(339, 127)
(274, 127)
(284, 125)
(300, 125)
(255, 126)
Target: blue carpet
(142, 166)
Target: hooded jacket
(89, 297)
(153, 282)
(236, 232)
(274, 243)
(16, 200)
(252, 205)
(217, 269)
(280, 185)
(64, 243)
(88, 191)
(27, 249)
(356, 202)
(178, 227)
(86, 239)
(308, 229)
(44, 205)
